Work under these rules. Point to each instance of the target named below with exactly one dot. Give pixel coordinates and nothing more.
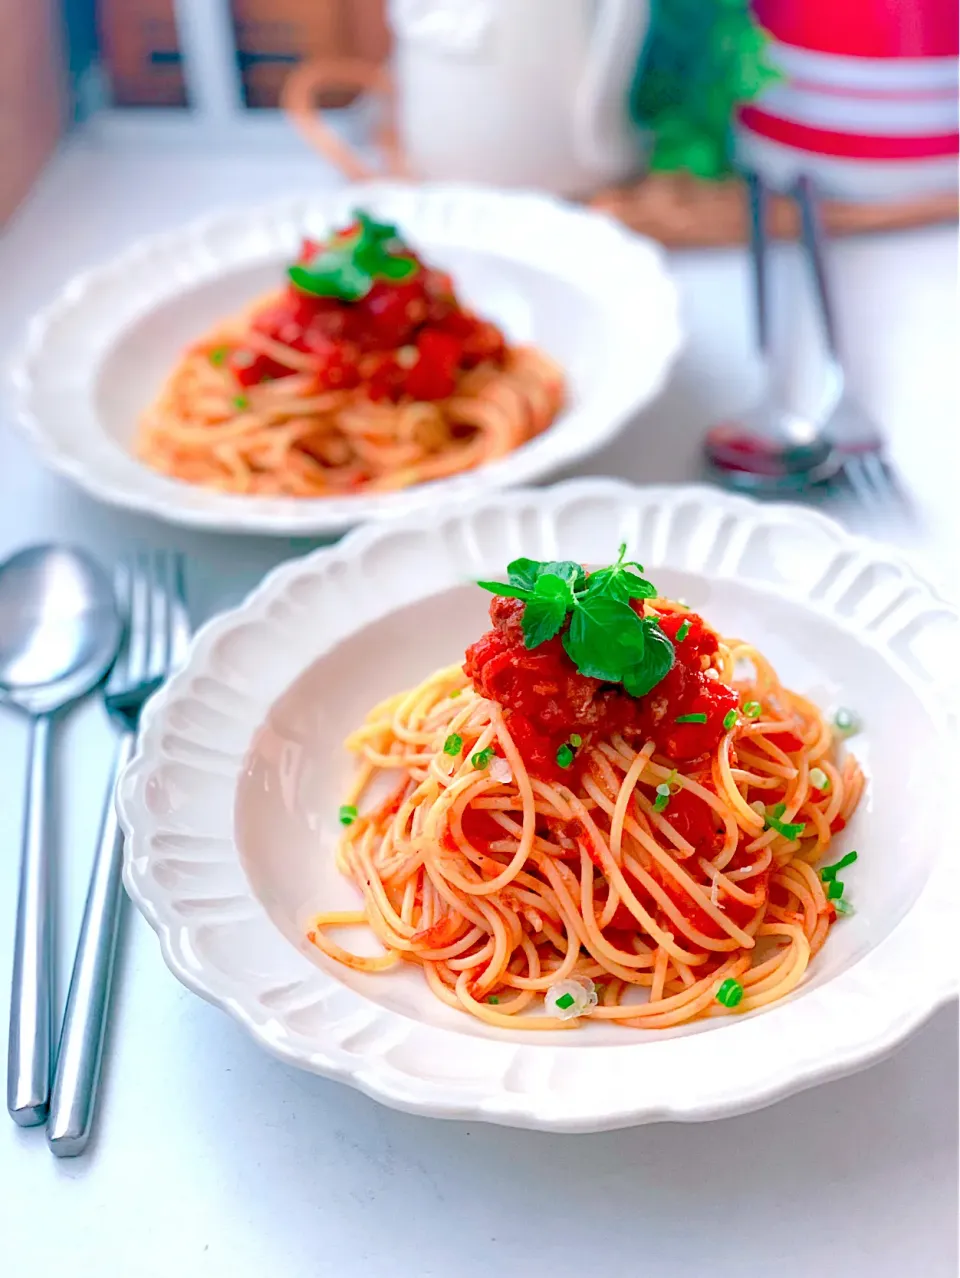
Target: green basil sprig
(606, 639)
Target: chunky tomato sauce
(403, 339)
(547, 700)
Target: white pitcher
(518, 92)
(510, 92)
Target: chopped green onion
(829, 872)
(819, 780)
(843, 907)
(699, 717)
(453, 744)
(576, 740)
(348, 814)
(219, 355)
(846, 722)
(663, 797)
(482, 757)
(683, 631)
(564, 758)
(729, 719)
(565, 1001)
(789, 830)
(493, 999)
(834, 889)
(730, 992)
(752, 709)
(456, 692)
(241, 401)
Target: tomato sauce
(409, 338)
(547, 700)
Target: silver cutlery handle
(31, 993)
(77, 1074)
(757, 198)
(811, 235)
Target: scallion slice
(819, 780)
(699, 717)
(730, 992)
(845, 722)
(347, 814)
(729, 719)
(453, 744)
(829, 872)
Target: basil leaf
(570, 571)
(501, 588)
(656, 663)
(524, 572)
(551, 586)
(621, 583)
(542, 618)
(332, 275)
(373, 231)
(395, 268)
(605, 637)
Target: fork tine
(121, 595)
(179, 616)
(138, 645)
(159, 640)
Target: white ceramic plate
(591, 294)
(230, 806)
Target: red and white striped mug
(868, 102)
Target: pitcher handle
(611, 60)
(298, 98)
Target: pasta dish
(607, 811)
(363, 374)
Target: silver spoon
(768, 448)
(59, 632)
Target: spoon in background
(59, 633)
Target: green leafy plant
(605, 638)
(702, 59)
(347, 265)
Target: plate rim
(584, 430)
(869, 1035)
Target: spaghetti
(364, 374)
(653, 868)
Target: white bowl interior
(529, 304)
(289, 793)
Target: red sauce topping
(408, 338)
(546, 699)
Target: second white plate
(595, 297)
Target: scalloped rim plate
(177, 800)
(560, 267)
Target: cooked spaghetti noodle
(310, 396)
(632, 888)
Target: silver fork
(767, 447)
(150, 597)
(845, 423)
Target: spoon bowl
(59, 628)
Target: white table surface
(213, 1159)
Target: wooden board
(683, 212)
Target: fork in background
(150, 597)
(845, 423)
